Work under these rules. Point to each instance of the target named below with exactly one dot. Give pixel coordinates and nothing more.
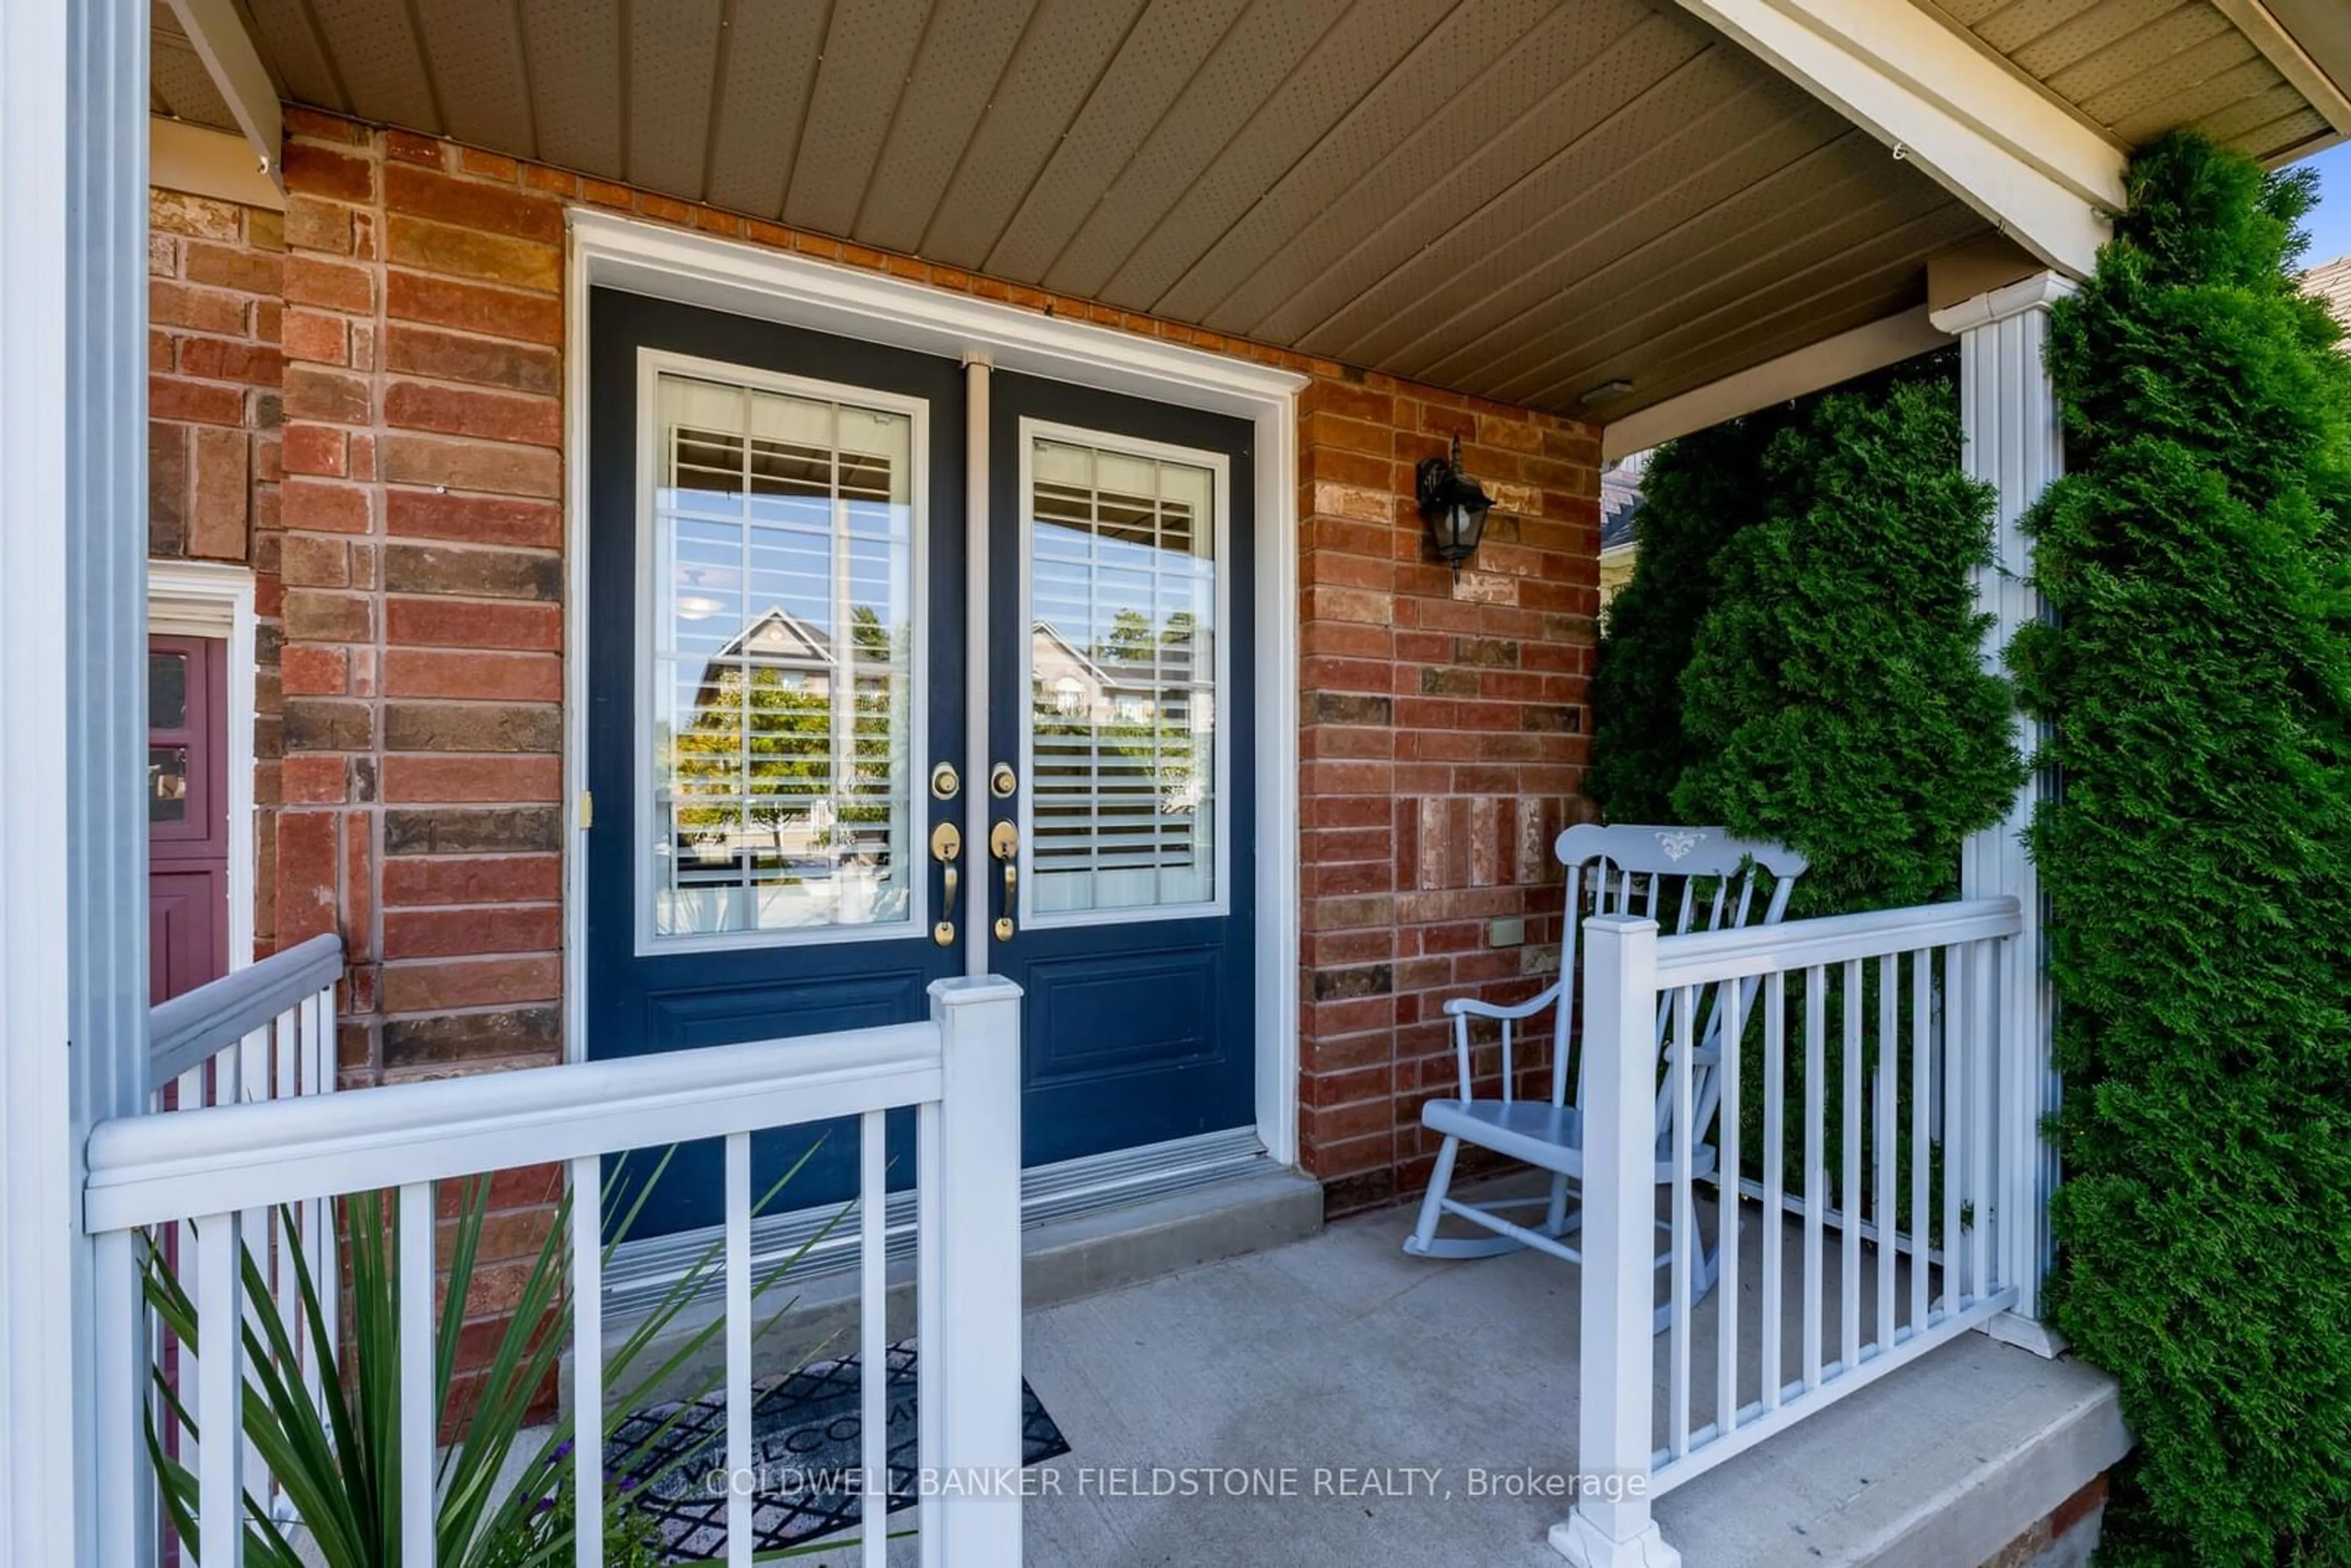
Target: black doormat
(806, 1444)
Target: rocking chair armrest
(1703, 1056)
(1470, 1007)
(1462, 1009)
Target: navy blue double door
(780, 715)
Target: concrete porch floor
(1338, 1352)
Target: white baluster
(873, 1334)
(219, 1376)
(1983, 1051)
(1682, 1239)
(1954, 1060)
(738, 1349)
(1882, 1144)
(1922, 996)
(1726, 1288)
(930, 1327)
(420, 1410)
(587, 1360)
(1849, 1188)
(1816, 1162)
(1773, 1302)
(319, 1215)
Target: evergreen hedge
(2198, 682)
(1837, 699)
(1696, 492)
(1797, 657)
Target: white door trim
(207, 599)
(610, 251)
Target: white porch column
(2008, 413)
(73, 895)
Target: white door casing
(606, 250)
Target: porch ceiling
(2137, 69)
(1526, 199)
(178, 84)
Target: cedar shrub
(2196, 681)
(1837, 699)
(1797, 657)
(1695, 494)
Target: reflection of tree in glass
(759, 754)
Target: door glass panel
(167, 691)
(783, 627)
(167, 784)
(1122, 676)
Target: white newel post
(2009, 414)
(970, 1439)
(1611, 1526)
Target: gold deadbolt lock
(1001, 781)
(947, 846)
(945, 783)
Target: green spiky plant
(336, 1453)
(2196, 677)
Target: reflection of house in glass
(1122, 747)
(1109, 685)
(772, 775)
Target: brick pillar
(423, 585)
(1443, 750)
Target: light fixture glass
(1453, 505)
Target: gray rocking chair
(1701, 879)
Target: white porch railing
(266, 1032)
(216, 1165)
(1893, 1144)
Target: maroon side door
(187, 814)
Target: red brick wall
(423, 597)
(1443, 720)
(1443, 750)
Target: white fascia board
(1824, 364)
(217, 32)
(1981, 131)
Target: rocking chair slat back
(1635, 863)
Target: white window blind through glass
(783, 619)
(1122, 707)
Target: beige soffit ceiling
(2137, 69)
(1527, 199)
(178, 85)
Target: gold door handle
(946, 845)
(1004, 843)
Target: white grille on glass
(783, 622)
(1122, 678)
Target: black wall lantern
(1454, 505)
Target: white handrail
(1703, 957)
(144, 1170)
(189, 1029)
